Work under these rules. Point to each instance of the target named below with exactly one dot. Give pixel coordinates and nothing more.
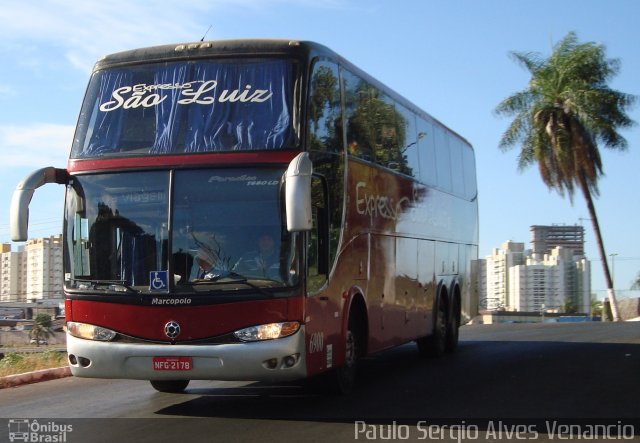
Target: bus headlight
(268, 332)
(90, 332)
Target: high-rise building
(493, 275)
(13, 285)
(44, 268)
(560, 282)
(553, 276)
(545, 238)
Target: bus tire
(346, 374)
(170, 386)
(434, 345)
(453, 326)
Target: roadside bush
(11, 359)
(14, 363)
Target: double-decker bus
(256, 210)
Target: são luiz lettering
(146, 96)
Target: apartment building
(554, 276)
(559, 282)
(32, 273)
(13, 285)
(544, 238)
(493, 275)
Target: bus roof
(204, 49)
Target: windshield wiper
(231, 277)
(114, 285)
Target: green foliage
(41, 328)
(565, 113)
(596, 307)
(570, 306)
(54, 356)
(11, 359)
(44, 320)
(636, 284)
(14, 363)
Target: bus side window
(457, 169)
(360, 134)
(408, 160)
(318, 246)
(443, 159)
(387, 128)
(427, 157)
(469, 165)
(325, 110)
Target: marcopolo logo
(36, 431)
(170, 301)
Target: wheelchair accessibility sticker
(159, 281)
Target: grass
(18, 363)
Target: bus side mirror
(298, 193)
(19, 211)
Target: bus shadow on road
(496, 379)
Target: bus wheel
(453, 327)
(435, 344)
(346, 374)
(171, 386)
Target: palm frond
(567, 110)
(514, 104)
(518, 128)
(532, 61)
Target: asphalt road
(503, 375)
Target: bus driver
(264, 262)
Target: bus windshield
(226, 229)
(188, 107)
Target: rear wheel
(435, 344)
(453, 327)
(171, 386)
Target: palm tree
(42, 328)
(561, 118)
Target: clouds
(83, 31)
(35, 145)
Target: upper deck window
(188, 107)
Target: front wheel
(346, 374)
(170, 386)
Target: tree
(41, 328)
(636, 283)
(570, 306)
(566, 112)
(596, 306)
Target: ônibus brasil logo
(34, 431)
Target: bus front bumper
(281, 359)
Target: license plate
(172, 363)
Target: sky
(449, 57)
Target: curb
(12, 381)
